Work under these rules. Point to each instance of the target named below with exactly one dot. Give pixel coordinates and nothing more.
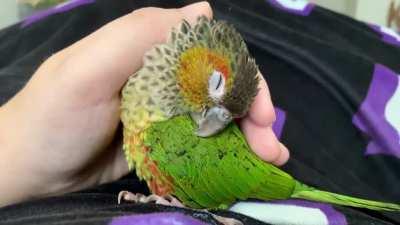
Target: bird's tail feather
(303, 191)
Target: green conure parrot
(177, 113)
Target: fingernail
(196, 5)
(194, 10)
(283, 157)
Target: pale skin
(60, 132)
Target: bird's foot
(227, 220)
(168, 200)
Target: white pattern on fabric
(293, 4)
(281, 214)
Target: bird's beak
(213, 121)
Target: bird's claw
(167, 200)
(227, 220)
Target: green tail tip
(303, 191)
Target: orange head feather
(195, 67)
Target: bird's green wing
(213, 172)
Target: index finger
(262, 111)
(114, 52)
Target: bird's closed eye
(216, 86)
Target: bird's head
(217, 78)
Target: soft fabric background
(322, 69)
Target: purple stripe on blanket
(156, 219)
(54, 10)
(277, 127)
(378, 115)
(389, 36)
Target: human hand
(60, 132)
